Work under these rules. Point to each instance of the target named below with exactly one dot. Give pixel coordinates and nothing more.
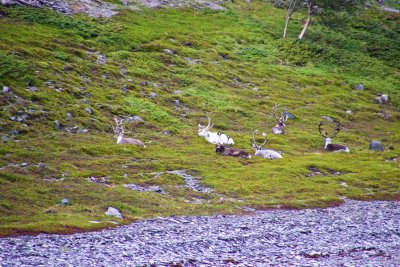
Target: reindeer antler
(274, 111)
(254, 139)
(320, 130)
(209, 126)
(337, 130)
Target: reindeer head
(119, 129)
(282, 118)
(254, 144)
(324, 134)
(203, 130)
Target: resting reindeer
(328, 140)
(214, 138)
(264, 153)
(233, 152)
(279, 128)
(119, 134)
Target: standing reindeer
(214, 138)
(279, 128)
(120, 132)
(262, 152)
(328, 140)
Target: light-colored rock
(113, 212)
(376, 146)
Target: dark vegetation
(232, 66)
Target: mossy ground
(230, 53)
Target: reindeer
(120, 132)
(328, 140)
(214, 138)
(233, 152)
(264, 153)
(279, 128)
(229, 151)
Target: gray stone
(6, 89)
(57, 125)
(113, 212)
(135, 119)
(5, 138)
(176, 102)
(33, 88)
(101, 59)
(376, 146)
(359, 87)
(178, 92)
(168, 51)
(70, 115)
(24, 164)
(88, 110)
(153, 95)
(328, 118)
(65, 202)
(378, 100)
(289, 115)
(167, 132)
(125, 88)
(349, 112)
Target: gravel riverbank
(354, 234)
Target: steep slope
(66, 77)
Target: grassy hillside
(231, 66)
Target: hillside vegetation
(172, 68)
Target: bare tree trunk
(286, 25)
(307, 23)
(291, 8)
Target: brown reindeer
(120, 132)
(230, 151)
(328, 146)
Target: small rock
(289, 115)
(143, 83)
(255, 89)
(135, 118)
(125, 88)
(385, 98)
(101, 59)
(153, 84)
(328, 118)
(57, 125)
(178, 92)
(359, 87)
(114, 212)
(123, 71)
(6, 89)
(24, 164)
(378, 100)
(105, 76)
(65, 202)
(125, 2)
(153, 95)
(187, 44)
(349, 112)
(33, 88)
(168, 51)
(88, 110)
(176, 102)
(5, 138)
(70, 115)
(167, 132)
(376, 146)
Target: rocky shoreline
(355, 234)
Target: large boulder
(376, 146)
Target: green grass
(235, 51)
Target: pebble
(356, 233)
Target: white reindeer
(214, 138)
(279, 128)
(262, 152)
(120, 132)
(328, 146)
